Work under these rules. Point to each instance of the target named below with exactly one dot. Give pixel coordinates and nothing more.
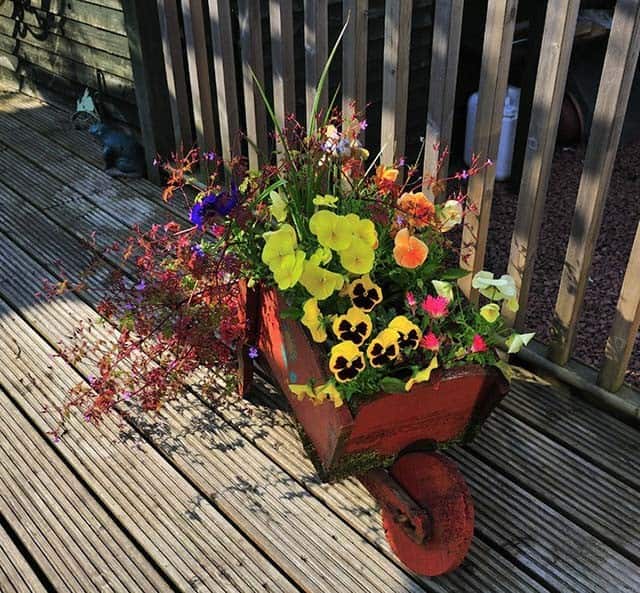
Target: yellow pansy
(326, 200)
(410, 333)
(320, 283)
(279, 206)
(278, 244)
(449, 215)
(312, 320)
(354, 326)
(364, 293)
(331, 230)
(321, 256)
(490, 312)
(385, 348)
(423, 375)
(289, 269)
(443, 289)
(346, 361)
(363, 230)
(328, 391)
(358, 258)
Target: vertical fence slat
(250, 25)
(445, 49)
(152, 96)
(199, 74)
(225, 76)
(555, 53)
(625, 325)
(395, 78)
(354, 55)
(613, 94)
(316, 41)
(176, 76)
(496, 56)
(281, 25)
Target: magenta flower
(478, 344)
(430, 342)
(435, 307)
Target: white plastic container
(507, 133)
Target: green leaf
(392, 385)
(291, 313)
(454, 274)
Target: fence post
(152, 96)
(496, 57)
(445, 48)
(557, 43)
(613, 95)
(354, 55)
(395, 79)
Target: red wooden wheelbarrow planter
(390, 442)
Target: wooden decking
(224, 499)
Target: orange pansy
(417, 209)
(409, 251)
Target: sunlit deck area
(223, 498)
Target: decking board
(555, 509)
(39, 223)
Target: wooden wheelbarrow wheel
(434, 482)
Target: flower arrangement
(359, 250)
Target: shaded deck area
(223, 499)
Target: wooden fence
(211, 46)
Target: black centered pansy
(410, 333)
(346, 361)
(364, 293)
(355, 326)
(385, 348)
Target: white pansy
(515, 342)
(495, 289)
(443, 289)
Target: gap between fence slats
(625, 325)
(176, 75)
(316, 42)
(251, 48)
(354, 55)
(225, 76)
(445, 49)
(557, 44)
(199, 73)
(611, 105)
(395, 79)
(494, 73)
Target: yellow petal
(279, 206)
(424, 375)
(490, 312)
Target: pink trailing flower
(435, 307)
(430, 342)
(478, 344)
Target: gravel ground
(621, 215)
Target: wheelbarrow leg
(427, 511)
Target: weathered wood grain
(395, 80)
(494, 72)
(611, 105)
(445, 48)
(556, 48)
(16, 574)
(626, 322)
(354, 55)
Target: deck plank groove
(554, 498)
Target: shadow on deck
(223, 499)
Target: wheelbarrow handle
(391, 496)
